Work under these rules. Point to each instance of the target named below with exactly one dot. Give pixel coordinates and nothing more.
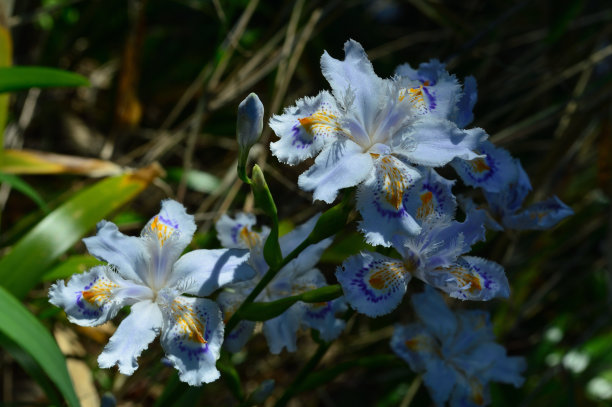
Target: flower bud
(249, 123)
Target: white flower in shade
(368, 132)
(149, 273)
(298, 276)
(455, 352)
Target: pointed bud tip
(249, 123)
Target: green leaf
(332, 220)
(22, 268)
(15, 78)
(72, 265)
(263, 311)
(32, 369)
(322, 294)
(21, 327)
(265, 201)
(23, 187)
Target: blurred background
(166, 78)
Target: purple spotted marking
(191, 349)
(298, 140)
(234, 232)
(86, 308)
(169, 222)
(431, 98)
(359, 282)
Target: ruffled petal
(493, 172)
(511, 196)
(508, 369)
(94, 297)
(238, 233)
(464, 114)
(304, 129)
(437, 142)
(382, 203)
(166, 235)
(354, 79)
(471, 278)
(127, 253)
(415, 345)
(322, 317)
(191, 337)
(431, 309)
(339, 165)
(539, 216)
(431, 198)
(200, 272)
(133, 335)
(373, 284)
(235, 341)
(440, 379)
(281, 331)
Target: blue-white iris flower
(374, 284)
(298, 276)
(369, 132)
(505, 185)
(455, 351)
(149, 273)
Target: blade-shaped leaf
(6, 59)
(40, 162)
(21, 327)
(23, 187)
(24, 77)
(22, 268)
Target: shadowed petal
(471, 278)
(437, 142)
(539, 216)
(281, 331)
(381, 201)
(373, 284)
(494, 172)
(200, 272)
(432, 310)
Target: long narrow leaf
(20, 326)
(41, 162)
(25, 77)
(23, 267)
(23, 187)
